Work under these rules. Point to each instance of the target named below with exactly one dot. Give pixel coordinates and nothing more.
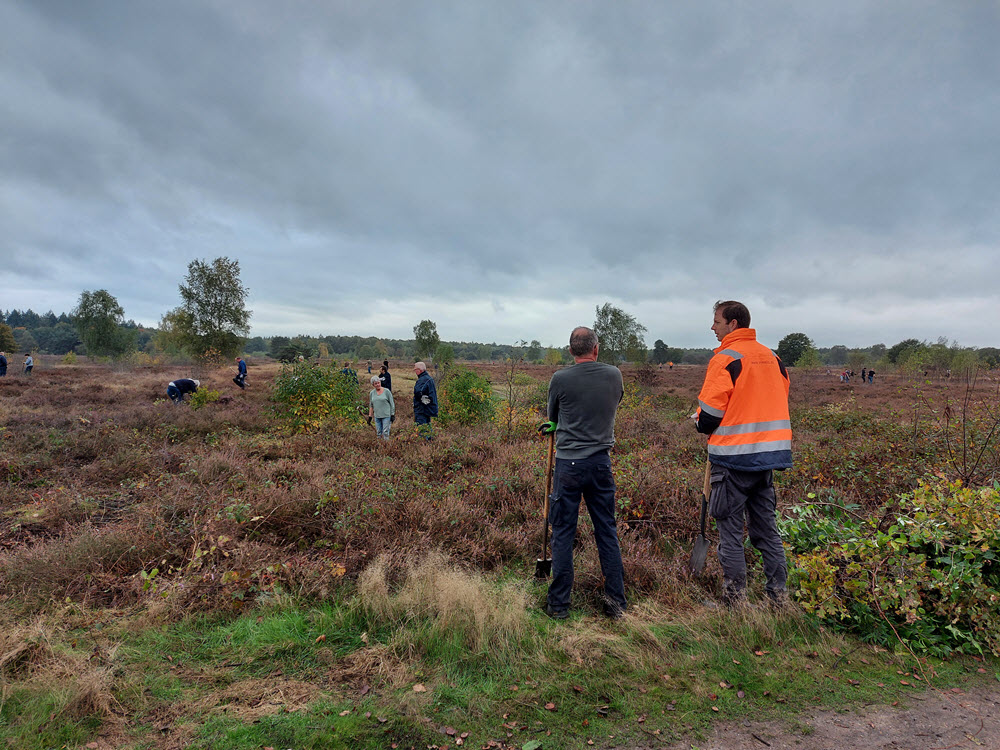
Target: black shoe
(613, 611)
(556, 614)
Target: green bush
(466, 398)
(203, 397)
(930, 580)
(307, 395)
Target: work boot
(613, 611)
(556, 614)
(779, 600)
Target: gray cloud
(504, 168)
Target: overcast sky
(504, 167)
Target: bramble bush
(307, 395)
(466, 398)
(930, 580)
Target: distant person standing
(863, 375)
(3, 364)
(241, 373)
(178, 389)
(381, 407)
(425, 400)
(871, 377)
(385, 377)
(29, 363)
(369, 367)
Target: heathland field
(233, 573)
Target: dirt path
(932, 721)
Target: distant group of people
(29, 364)
(867, 376)
(381, 405)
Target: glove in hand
(547, 428)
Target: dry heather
(112, 496)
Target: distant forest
(49, 333)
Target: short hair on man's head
(582, 341)
(420, 366)
(733, 310)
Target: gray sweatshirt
(583, 399)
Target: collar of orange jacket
(740, 334)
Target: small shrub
(930, 580)
(203, 397)
(69, 358)
(467, 398)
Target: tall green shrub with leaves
(307, 395)
(925, 575)
(466, 398)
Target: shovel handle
(548, 491)
(707, 490)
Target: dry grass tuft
(434, 588)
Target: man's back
(583, 400)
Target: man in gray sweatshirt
(583, 401)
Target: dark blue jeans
(591, 479)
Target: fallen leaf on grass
(715, 708)
(418, 688)
(450, 731)
(342, 713)
(550, 706)
(320, 638)
(740, 694)
(531, 745)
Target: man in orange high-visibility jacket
(743, 408)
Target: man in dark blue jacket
(241, 373)
(3, 364)
(425, 399)
(177, 389)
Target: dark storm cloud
(507, 167)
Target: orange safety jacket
(743, 406)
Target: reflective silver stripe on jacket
(172, 383)
(732, 353)
(710, 409)
(740, 450)
(743, 429)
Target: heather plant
(930, 581)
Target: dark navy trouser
(591, 479)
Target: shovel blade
(543, 568)
(699, 555)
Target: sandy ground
(936, 720)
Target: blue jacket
(425, 387)
(243, 367)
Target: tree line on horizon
(212, 322)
